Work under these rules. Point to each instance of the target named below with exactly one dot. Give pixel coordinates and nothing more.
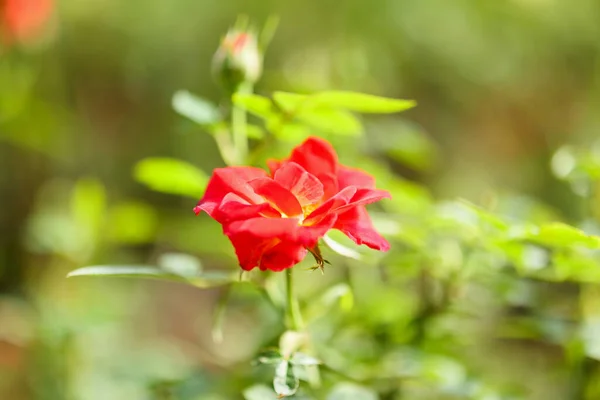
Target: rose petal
(330, 185)
(357, 225)
(354, 177)
(265, 228)
(234, 208)
(306, 187)
(309, 235)
(279, 197)
(340, 199)
(274, 165)
(363, 197)
(317, 156)
(229, 180)
(249, 248)
(281, 256)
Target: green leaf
(330, 120)
(195, 108)
(575, 266)
(198, 279)
(268, 31)
(562, 235)
(352, 101)
(408, 145)
(292, 132)
(219, 315)
(303, 359)
(285, 383)
(360, 102)
(341, 293)
(132, 222)
(340, 248)
(88, 204)
(322, 117)
(254, 131)
(291, 102)
(347, 390)
(260, 106)
(564, 162)
(260, 392)
(169, 175)
(126, 271)
(16, 83)
(484, 216)
(179, 263)
(272, 356)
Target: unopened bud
(238, 59)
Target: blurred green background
(501, 87)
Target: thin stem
(293, 308)
(219, 315)
(238, 126)
(228, 153)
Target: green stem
(293, 308)
(226, 149)
(219, 315)
(238, 126)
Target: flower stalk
(238, 126)
(293, 307)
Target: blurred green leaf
(575, 266)
(564, 161)
(128, 271)
(484, 216)
(347, 390)
(272, 356)
(169, 175)
(340, 248)
(254, 131)
(17, 84)
(199, 279)
(331, 120)
(257, 105)
(132, 222)
(195, 108)
(88, 204)
(179, 263)
(268, 31)
(291, 132)
(590, 334)
(351, 101)
(360, 102)
(341, 292)
(410, 146)
(285, 383)
(260, 392)
(557, 234)
(303, 359)
(219, 315)
(291, 103)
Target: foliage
(494, 297)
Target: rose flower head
(238, 59)
(273, 219)
(23, 20)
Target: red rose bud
(23, 20)
(273, 218)
(238, 59)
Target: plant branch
(293, 308)
(238, 126)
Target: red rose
(272, 219)
(24, 19)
